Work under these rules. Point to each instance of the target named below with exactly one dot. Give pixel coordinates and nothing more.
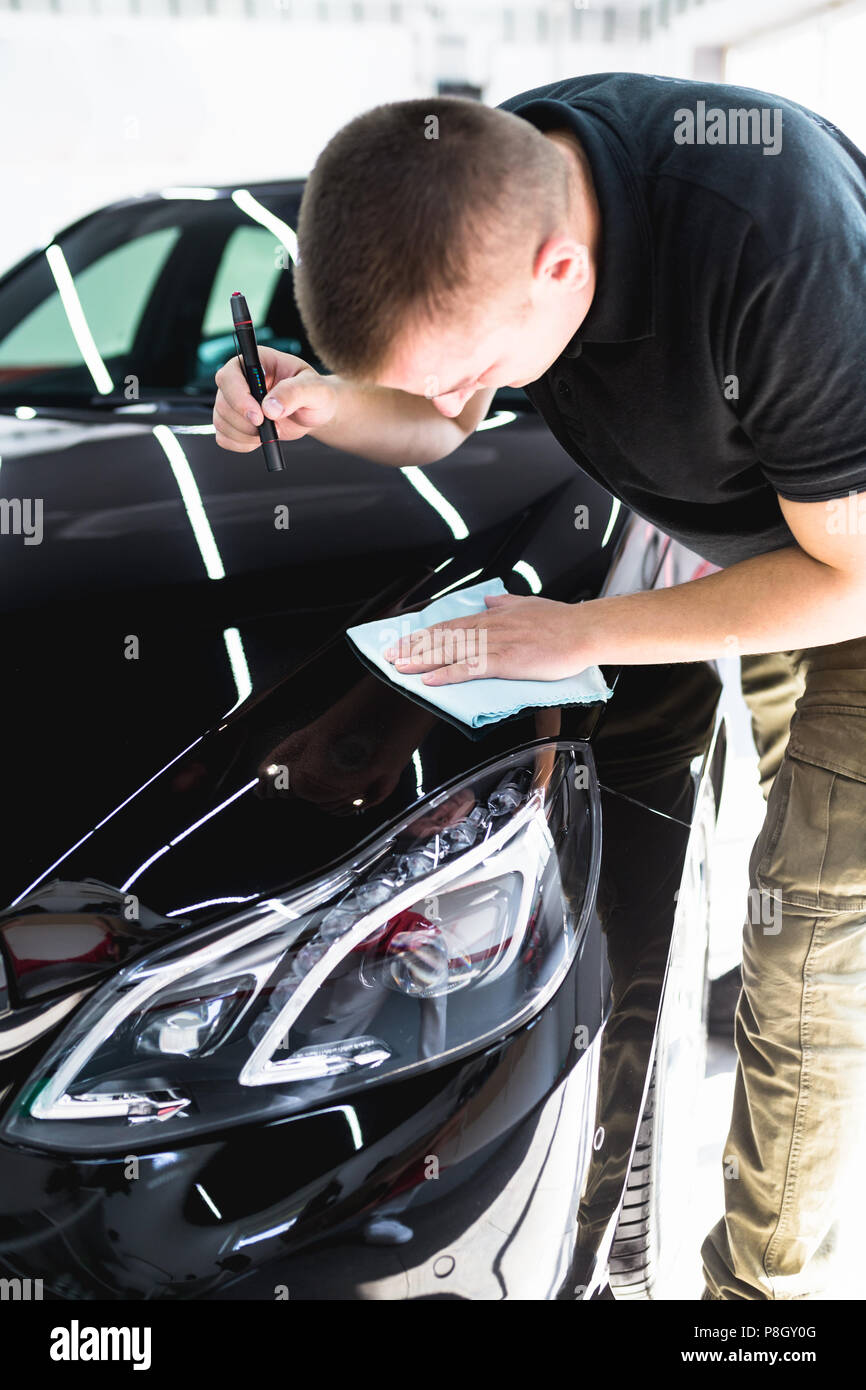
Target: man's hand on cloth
(515, 639)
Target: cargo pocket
(814, 850)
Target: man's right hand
(299, 400)
(374, 422)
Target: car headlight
(440, 937)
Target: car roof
(177, 191)
(219, 192)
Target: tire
(648, 1236)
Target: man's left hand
(516, 638)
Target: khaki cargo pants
(796, 1138)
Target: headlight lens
(444, 935)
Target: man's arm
(811, 594)
(393, 427)
(376, 422)
(807, 595)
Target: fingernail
(252, 416)
(272, 404)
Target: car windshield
(132, 304)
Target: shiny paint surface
(145, 776)
(119, 558)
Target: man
(676, 274)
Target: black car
(306, 991)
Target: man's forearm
(394, 427)
(780, 601)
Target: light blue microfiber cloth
(473, 702)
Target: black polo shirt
(723, 358)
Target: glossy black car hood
(155, 672)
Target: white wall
(817, 61)
(95, 108)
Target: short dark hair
(401, 206)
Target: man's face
(510, 336)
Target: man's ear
(564, 261)
(573, 270)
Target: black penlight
(249, 354)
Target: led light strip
(431, 494)
(78, 320)
(191, 498)
(243, 199)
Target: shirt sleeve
(799, 365)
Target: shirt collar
(623, 306)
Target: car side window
(103, 306)
(250, 263)
(258, 265)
